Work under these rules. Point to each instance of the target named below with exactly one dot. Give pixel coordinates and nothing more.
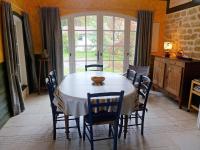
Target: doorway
(21, 54)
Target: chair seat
(102, 117)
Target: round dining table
(71, 94)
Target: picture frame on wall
(177, 5)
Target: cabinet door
(173, 77)
(158, 73)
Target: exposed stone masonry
(183, 29)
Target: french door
(97, 38)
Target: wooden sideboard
(173, 77)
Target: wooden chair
(104, 108)
(95, 67)
(56, 114)
(131, 75)
(143, 92)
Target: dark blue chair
(104, 108)
(94, 67)
(131, 75)
(143, 92)
(56, 114)
(52, 75)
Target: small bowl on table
(97, 80)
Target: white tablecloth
(71, 94)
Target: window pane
(65, 52)
(119, 23)
(64, 24)
(79, 38)
(91, 22)
(132, 38)
(80, 56)
(118, 53)
(133, 25)
(91, 38)
(108, 23)
(131, 55)
(92, 53)
(119, 38)
(108, 66)
(118, 66)
(108, 53)
(79, 23)
(108, 38)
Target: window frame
(100, 31)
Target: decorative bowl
(97, 80)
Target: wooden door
(173, 77)
(158, 73)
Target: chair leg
(67, 126)
(142, 122)
(115, 135)
(125, 125)
(91, 138)
(54, 128)
(136, 118)
(110, 130)
(78, 126)
(120, 126)
(84, 129)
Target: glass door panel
(65, 41)
(80, 58)
(91, 22)
(84, 44)
(92, 53)
(119, 23)
(91, 38)
(79, 23)
(118, 59)
(108, 23)
(85, 41)
(108, 58)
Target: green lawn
(91, 55)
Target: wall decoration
(177, 5)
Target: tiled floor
(166, 128)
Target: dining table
(71, 93)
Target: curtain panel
(11, 58)
(52, 39)
(30, 59)
(143, 38)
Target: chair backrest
(141, 70)
(131, 75)
(53, 77)
(96, 67)
(109, 102)
(144, 88)
(51, 86)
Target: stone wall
(183, 29)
